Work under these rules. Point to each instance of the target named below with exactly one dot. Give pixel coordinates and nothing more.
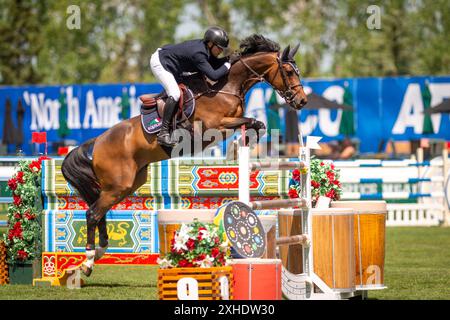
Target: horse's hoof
(99, 252)
(86, 269)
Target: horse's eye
(290, 73)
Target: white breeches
(164, 77)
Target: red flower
(296, 175)
(190, 244)
(216, 240)
(17, 200)
(16, 231)
(12, 184)
(330, 175)
(332, 166)
(337, 183)
(185, 264)
(22, 255)
(18, 216)
(322, 164)
(331, 194)
(293, 193)
(221, 259)
(200, 234)
(20, 177)
(315, 184)
(42, 159)
(30, 216)
(215, 252)
(35, 166)
(200, 257)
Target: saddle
(152, 110)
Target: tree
(21, 40)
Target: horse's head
(285, 78)
(278, 69)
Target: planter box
(21, 273)
(195, 283)
(24, 273)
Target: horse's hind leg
(106, 200)
(91, 224)
(103, 239)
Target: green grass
(106, 282)
(417, 267)
(417, 264)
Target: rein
(287, 95)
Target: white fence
(426, 183)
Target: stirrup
(164, 139)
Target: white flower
(184, 232)
(164, 263)
(179, 244)
(224, 246)
(207, 262)
(205, 234)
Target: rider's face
(215, 50)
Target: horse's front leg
(250, 123)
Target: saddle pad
(152, 122)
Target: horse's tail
(77, 169)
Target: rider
(170, 62)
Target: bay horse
(106, 169)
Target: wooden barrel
(290, 223)
(257, 279)
(269, 223)
(370, 234)
(170, 220)
(333, 247)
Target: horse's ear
(293, 52)
(285, 55)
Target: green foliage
(23, 237)
(196, 245)
(410, 40)
(324, 181)
(21, 39)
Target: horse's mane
(257, 43)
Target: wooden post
(291, 240)
(280, 203)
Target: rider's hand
(235, 56)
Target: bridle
(289, 94)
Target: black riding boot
(169, 111)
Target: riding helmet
(218, 36)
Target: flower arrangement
(324, 181)
(196, 245)
(23, 238)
